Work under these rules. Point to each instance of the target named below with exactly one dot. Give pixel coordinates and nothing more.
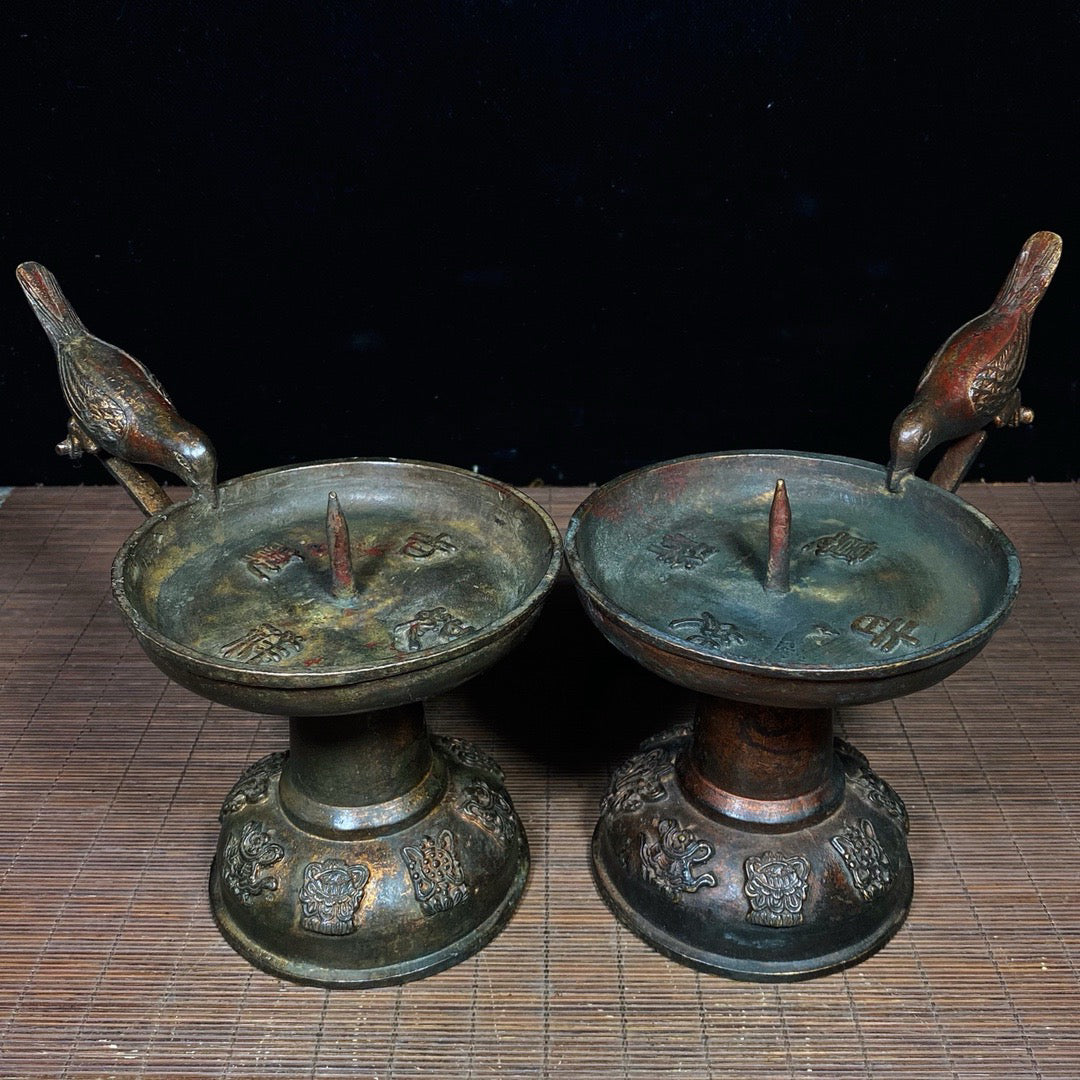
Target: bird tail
(1031, 273)
(55, 314)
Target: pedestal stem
(763, 765)
(355, 774)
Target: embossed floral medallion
(330, 896)
(776, 886)
(866, 860)
(437, 877)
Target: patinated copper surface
(116, 405)
(888, 592)
(972, 381)
(751, 847)
(448, 567)
(779, 586)
(340, 594)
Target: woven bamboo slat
(111, 779)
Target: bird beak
(894, 478)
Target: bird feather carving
(106, 417)
(991, 387)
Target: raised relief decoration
(776, 886)
(99, 409)
(852, 758)
(270, 559)
(680, 733)
(867, 782)
(884, 633)
(821, 634)
(708, 630)
(842, 545)
(427, 628)
(468, 754)
(668, 863)
(422, 545)
(330, 896)
(437, 877)
(878, 793)
(866, 861)
(639, 780)
(682, 551)
(253, 782)
(491, 810)
(263, 644)
(246, 860)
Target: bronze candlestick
(780, 586)
(339, 594)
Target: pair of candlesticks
(777, 585)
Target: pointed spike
(778, 568)
(342, 583)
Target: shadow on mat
(569, 698)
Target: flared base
(416, 889)
(754, 903)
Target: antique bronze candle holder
(780, 586)
(340, 594)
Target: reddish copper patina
(116, 404)
(972, 380)
(778, 566)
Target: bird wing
(96, 405)
(991, 386)
(150, 379)
(107, 390)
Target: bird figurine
(971, 382)
(116, 405)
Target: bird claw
(1020, 415)
(76, 442)
(67, 448)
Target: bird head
(912, 438)
(196, 463)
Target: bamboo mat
(111, 779)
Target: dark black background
(554, 241)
